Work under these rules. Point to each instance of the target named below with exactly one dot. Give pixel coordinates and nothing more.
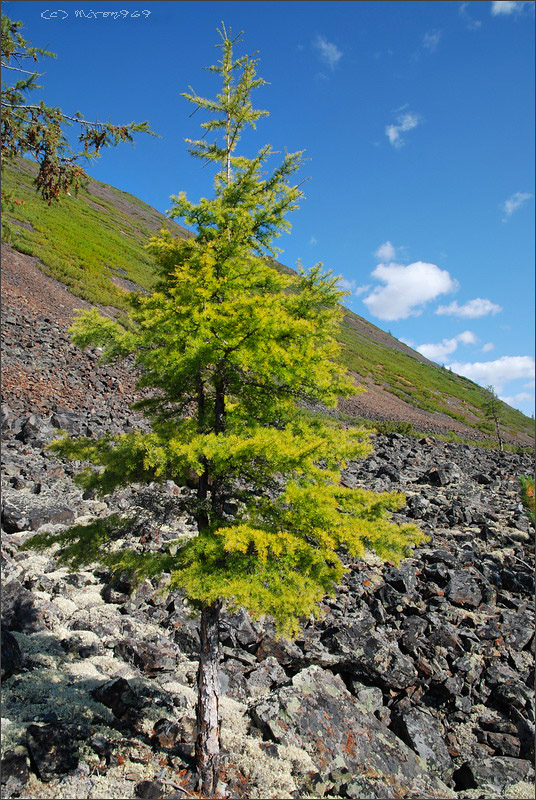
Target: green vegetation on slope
(527, 495)
(99, 236)
(423, 384)
(87, 240)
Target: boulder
(423, 733)
(319, 715)
(463, 590)
(118, 696)
(11, 656)
(14, 772)
(493, 776)
(53, 749)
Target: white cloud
(313, 241)
(479, 307)
(385, 252)
(406, 289)
(470, 23)
(508, 7)
(409, 342)
(405, 122)
(351, 287)
(346, 285)
(498, 372)
(329, 52)
(513, 203)
(515, 399)
(439, 351)
(467, 337)
(431, 40)
(487, 347)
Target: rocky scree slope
(416, 682)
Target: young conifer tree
(494, 412)
(230, 347)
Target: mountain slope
(94, 245)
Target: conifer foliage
(494, 413)
(230, 348)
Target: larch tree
(494, 413)
(230, 349)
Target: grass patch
(425, 386)
(82, 239)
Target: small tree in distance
(230, 347)
(494, 412)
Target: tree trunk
(207, 746)
(499, 437)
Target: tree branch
(26, 71)
(61, 114)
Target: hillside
(94, 245)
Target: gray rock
(493, 775)
(11, 656)
(14, 772)
(423, 733)
(463, 590)
(53, 749)
(265, 677)
(147, 656)
(319, 715)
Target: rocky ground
(416, 683)
(432, 661)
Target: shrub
(527, 495)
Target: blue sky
(417, 118)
